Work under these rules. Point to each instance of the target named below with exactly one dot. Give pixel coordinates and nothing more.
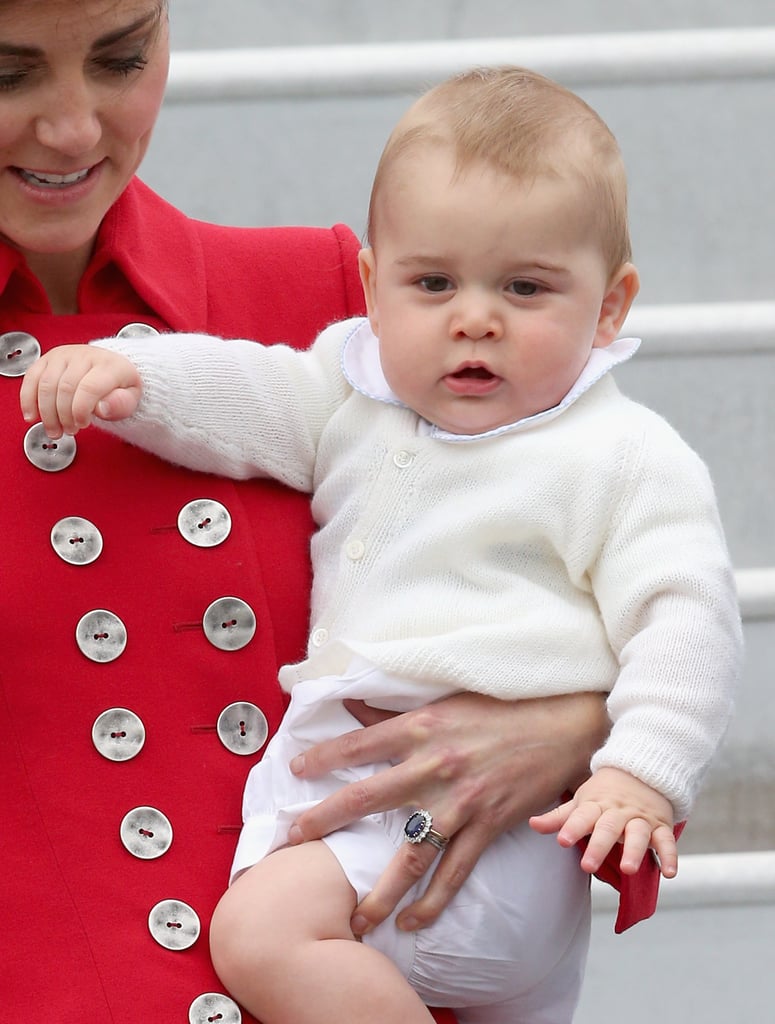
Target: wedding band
(419, 829)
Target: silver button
(214, 1008)
(118, 734)
(319, 637)
(229, 623)
(146, 833)
(101, 635)
(174, 924)
(76, 540)
(136, 330)
(205, 523)
(242, 728)
(51, 456)
(403, 459)
(18, 351)
(355, 549)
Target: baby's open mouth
(473, 373)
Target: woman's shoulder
(290, 281)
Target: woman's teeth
(53, 180)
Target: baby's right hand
(69, 384)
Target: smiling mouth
(53, 181)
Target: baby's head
(499, 249)
(524, 126)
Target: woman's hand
(69, 384)
(478, 764)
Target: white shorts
(512, 944)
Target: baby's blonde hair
(523, 125)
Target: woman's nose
(70, 122)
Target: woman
(144, 609)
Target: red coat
(75, 943)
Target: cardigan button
(76, 540)
(205, 523)
(213, 1006)
(319, 637)
(355, 549)
(174, 925)
(229, 623)
(18, 351)
(118, 734)
(242, 728)
(43, 453)
(403, 459)
(101, 636)
(146, 833)
(136, 330)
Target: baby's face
(486, 294)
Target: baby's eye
(525, 288)
(434, 283)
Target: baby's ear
(622, 289)
(367, 265)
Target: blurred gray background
(702, 196)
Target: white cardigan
(580, 552)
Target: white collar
(363, 370)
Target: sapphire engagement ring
(419, 829)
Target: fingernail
(359, 924)
(408, 924)
(294, 835)
(102, 409)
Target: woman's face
(81, 84)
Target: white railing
(708, 880)
(756, 592)
(369, 69)
(703, 328)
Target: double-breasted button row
(229, 623)
(119, 734)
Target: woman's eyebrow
(15, 50)
(118, 34)
(12, 50)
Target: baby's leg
(281, 944)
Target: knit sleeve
(665, 589)
(236, 408)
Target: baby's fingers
(40, 393)
(604, 828)
(666, 848)
(119, 404)
(552, 821)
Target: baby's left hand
(615, 807)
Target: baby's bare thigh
(298, 892)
